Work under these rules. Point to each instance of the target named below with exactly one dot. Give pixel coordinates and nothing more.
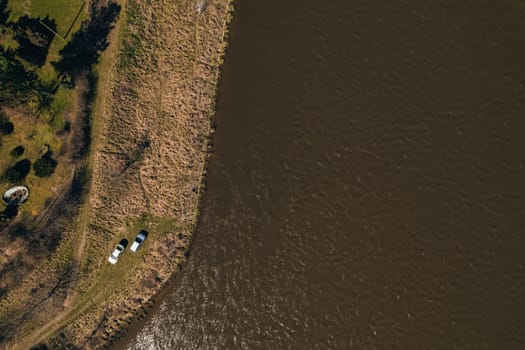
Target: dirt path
(56, 322)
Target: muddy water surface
(367, 189)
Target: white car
(113, 258)
(141, 237)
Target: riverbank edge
(125, 335)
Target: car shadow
(124, 242)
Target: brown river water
(367, 187)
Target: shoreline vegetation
(150, 125)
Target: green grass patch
(131, 47)
(68, 14)
(6, 40)
(17, 8)
(61, 104)
(111, 279)
(159, 225)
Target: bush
(45, 166)
(18, 171)
(17, 151)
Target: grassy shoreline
(161, 95)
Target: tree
(45, 166)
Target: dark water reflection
(367, 188)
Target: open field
(33, 234)
(150, 139)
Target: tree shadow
(79, 183)
(124, 242)
(6, 126)
(17, 84)
(58, 342)
(17, 151)
(33, 38)
(4, 12)
(40, 347)
(20, 230)
(18, 80)
(19, 171)
(137, 154)
(46, 95)
(10, 211)
(88, 42)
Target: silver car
(113, 258)
(141, 237)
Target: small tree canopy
(17, 151)
(45, 166)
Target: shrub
(17, 151)
(45, 166)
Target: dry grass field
(150, 140)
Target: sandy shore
(151, 129)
